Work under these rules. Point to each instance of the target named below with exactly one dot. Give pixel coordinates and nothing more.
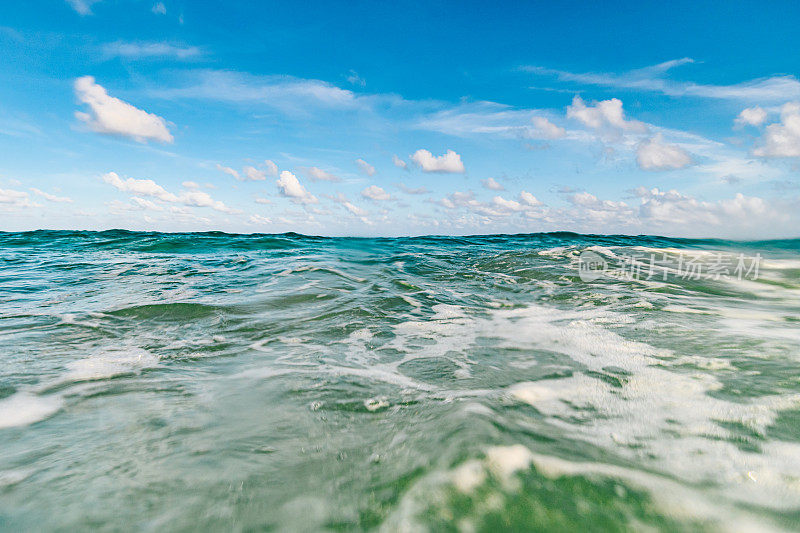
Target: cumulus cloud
(112, 116)
(229, 171)
(317, 174)
(510, 205)
(290, 187)
(52, 197)
(399, 163)
(460, 199)
(373, 192)
(590, 201)
(190, 185)
(195, 198)
(676, 209)
(10, 198)
(655, 154)
(528, 199)
(143, 203)
(492, 185)
(144, 187)
(365, 167)
(782, 139)
(259, 219)
(253, 174)
(354, 209)
(147, 187)
(546, 129)
(751, 116)
(450, 162)
(606, 115)
(272, 168)
(498, 207)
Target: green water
(287, 383)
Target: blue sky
(368, 118)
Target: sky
(401, 118)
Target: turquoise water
(281, 382)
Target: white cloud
(652, 79)
(355, 79)
(83, 7)
(606, 115)
(147, 187)
(113, 116)
(253, 174)
(527, 198)
(345, 202)
(317, 174)
(190, 185)
(412, 190)
(655, 154)
(399, 163)
(546, 129)
(146, 204)
(144, 187)
(52, 197)
(272, 168)
(145, 50)
(751, 116)
(497, 208)
(290, 95)
(733, 169)
(782, 139)
(355, 209)
(365, 167)
(203, 199)
(460, 199)
(509, 205)
(450, 162)
(674, 210)
(229, 171)
(373, 192)
(15, 199)
(481, 118)
(590, 201)
(492, 185)
(159, 8)
(290, 187)
(258, 219)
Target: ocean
(154, 381)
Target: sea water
(154, 381)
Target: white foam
(467, 477)
(504, 461)
(374, 404)
(23, 408)
(660, 416)
(110, 363)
